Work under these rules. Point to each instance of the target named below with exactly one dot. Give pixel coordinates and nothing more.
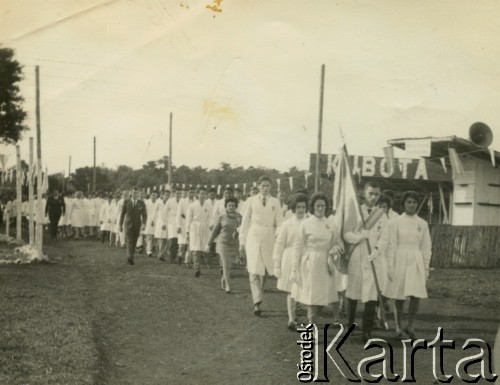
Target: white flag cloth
(244, 189)
(219, 187)
(493, 160)
(279, 184)
(290, 180)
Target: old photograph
(249, 192)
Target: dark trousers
(54, 222)
(173, 248)
(131, 237)
(368, 314)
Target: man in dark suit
(134, 215)
(54, 208)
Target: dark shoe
(150, 255)
(399, 335)
(197, 273)
(130, 261)
(161, 259)
(228, 291)
(179, 261)
(292, 326)
(256, 310)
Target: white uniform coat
(316, 285)
(171, 208)
(182, 210)
(104, 217)
(361, 282)
(198, 225)
(283, 251)
(161, 220)
(408, 257)
(153, 211)
(257, 232)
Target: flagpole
(320, 128)
(368, 246)
(31, 179)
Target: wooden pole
(93, 181)
(39, 214)
(320, 128)
(69, 166)
(18, 193)
(30, 196)
(170, 154)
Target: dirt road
(155, 323)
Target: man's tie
(264, 201)
(369, 211)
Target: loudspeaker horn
(480, 134)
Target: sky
(243, 84)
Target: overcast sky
(243, 84)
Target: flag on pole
(493, 160)
(456, 164)
(345, 202)
(255, 184)
(430, 207)
(389, 159)
(219, 187)
(244, 189)
(443, 163)
(290, 180)
(306, 175)
(148, 190)
(278, 181)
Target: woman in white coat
(77, 214)
(153, 207)
(161, 225)
(283, 251)
(315, 249)
(408, 258)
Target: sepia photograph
(249, 192)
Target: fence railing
(465, 246)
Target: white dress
(118, 212)
(408, 256)
(68, 201)
(315, 286)
(198, 225)
(283, 251)
(77, 213)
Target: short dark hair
(410, 194)
(316, 197)
(212, 190)
(372, 184)
(237, 189)
(295, 199)
(229, 200)
(385, 199)
(264, 178)
(228, 188)
(202, 189)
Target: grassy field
(88, 318)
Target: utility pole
(93, 188)
(170, 155)
(320, 128)
(39, 214)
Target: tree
(12, 114)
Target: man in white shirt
(261, 219)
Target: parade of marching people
(318, 261)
